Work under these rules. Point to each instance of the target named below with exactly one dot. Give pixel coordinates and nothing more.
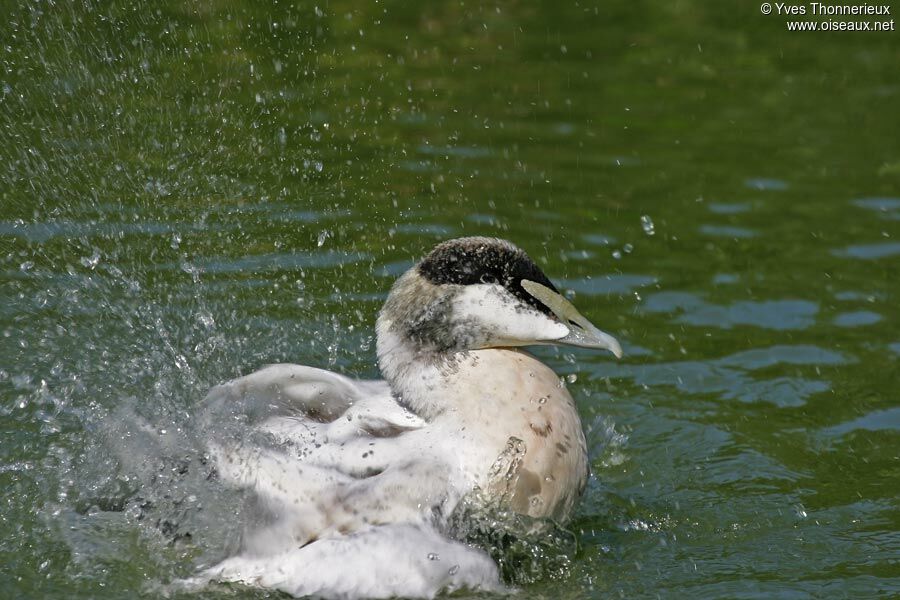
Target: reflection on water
(728, 209)
(888, 208)
(727, 231)
(725, 279)
(606, 284)
(599, 239)
(857, 318)
(874, 421)
(732, 377)
(763, 183)
(771, 314)
(870, 251)
(287, 261)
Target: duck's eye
(488, 278)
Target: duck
(353, 483)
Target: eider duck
(353, 482)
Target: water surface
(190, 191)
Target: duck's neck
(475, 388)
(418, 378)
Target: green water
(192, 190)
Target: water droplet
(453, 570)
(571, 377)
(191, 270)
(542, 400)
(176, 241)
(323, 235)
(206, 320)
(616, 254)
(27, 265)
(433, 556)
(627, 248)
(91, 261)
(647, 225)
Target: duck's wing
(386, 562)
(315, 416)
(326, 453)
(339, 476)
(289, 390)
(294, 503)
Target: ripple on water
(889, 208)
(857, 318)
(285, 211)
(763, 358)
(765, 183)
(457, 151)
(877, 420)
(748, 470)
(853, 296)
(721, 208)
(732, 377)
(289, 261)
(725, 278)
(869, 251)
(599, 239)
(770, 314)
(578, 255)
(43, 232)
(110, 225)
(694, 377)
(728, 231)
(596, 285)
(433, 229)
(483, 219)
(418, 166)
(394, 269)
(780, 391)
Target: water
(189, 192)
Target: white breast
(518, 431)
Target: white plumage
(354, 481)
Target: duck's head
(475, 293)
